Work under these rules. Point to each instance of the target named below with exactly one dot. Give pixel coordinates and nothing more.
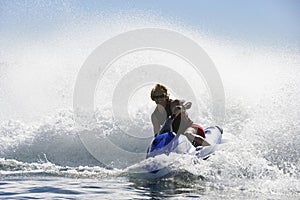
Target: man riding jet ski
(174, 132)
(170, 115)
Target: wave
(54, 148)
(11, 168)
(59, 141)
(56, 141)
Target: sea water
(43, 156)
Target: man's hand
(187, 105)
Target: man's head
(159, 92)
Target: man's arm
(178, 106)
(155, 124)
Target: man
(173, 112)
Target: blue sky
(258, 21)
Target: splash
(261, 130)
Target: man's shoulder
(154, 112)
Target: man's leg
(196, 140)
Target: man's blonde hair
(159, 90)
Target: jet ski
(167, 143)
